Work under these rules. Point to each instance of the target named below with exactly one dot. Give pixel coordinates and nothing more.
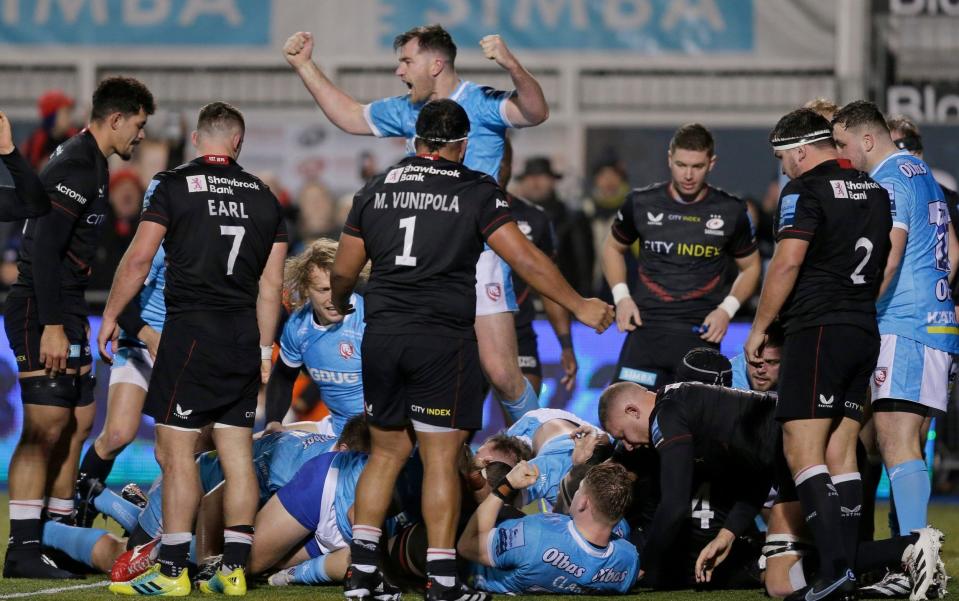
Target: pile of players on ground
(553, 504)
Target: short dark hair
(800, 123)
(219, 115)
(693, 136)
(610, 487)
(356, 434)
(775, 335)
(903, 124)
(511, 445)
(860, 112)
(430, 37)
(440, 123)
(124, 95)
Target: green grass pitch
(944, 516)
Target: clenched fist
(494, 48)
(298, 49)
(6, 135)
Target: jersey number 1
(237, 231)
(406, 259)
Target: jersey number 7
(237, 231)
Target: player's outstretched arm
(472, 543)
(529, 106)
(536, 269)
(127, 281)
(347, 265)
(268, 305)
(339, 107)
(613, 262)
(21, 192)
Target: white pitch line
(54, 591)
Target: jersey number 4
(406, 259)
(237, 231)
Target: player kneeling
(550, 552)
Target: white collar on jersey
(900, 153)
(587, 546)
(459, 90)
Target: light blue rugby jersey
(544, 553)
(332, 357)
(396, 117)
(740, 372)
(152, 305)
(918, 303)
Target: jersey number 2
(406, 259)
(858, 278)
(237, 231)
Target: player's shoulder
(717, 194)
(652, 192)
(474, 91)
(80, 149)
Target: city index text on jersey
(421, 201)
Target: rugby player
(427, 58)
(423, 238)
(550, 552)
(141, 323)
(45, 318)
(223, 233)
(690, 233)
(716, 448)
(761, 375)
(21, 192)
(917, 320)
(832, 231)
(533, 221)
(318, 339)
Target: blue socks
(76, 542)
(312, 571)
(528, 401)
(118, 508)
(911, 489)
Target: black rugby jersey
(728, 436)
(846, 217)
(58, 248)
(535, 225)
(685, 250)
(424, 222)
(221, 225)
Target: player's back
(289, 451)
(842, 270)
(918, 303)
(221, 225)
(545, 553)
(423, 224)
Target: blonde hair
(298, 269)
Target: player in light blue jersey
(763, 376)
(141, 323)
(554, 553)
(318, 339)
(916, 314)
(427, 67)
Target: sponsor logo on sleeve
(787, 210)
(510, 538)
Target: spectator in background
(317, 216)
(576, 255)
(609, 190)
(56, 126)
(126, 198)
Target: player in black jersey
(225, 242)
(45, 318)
(822, 282)
(689, 232)
(534, 223)
(422, 224)
(712, 435)
(21, 192)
